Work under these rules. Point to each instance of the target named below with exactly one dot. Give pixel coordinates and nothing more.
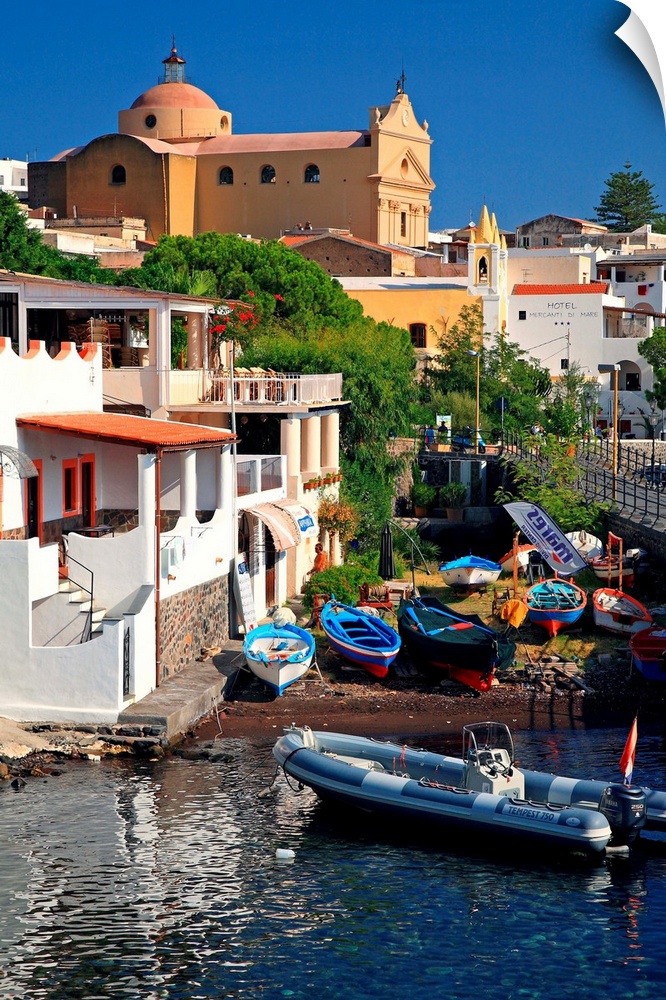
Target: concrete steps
(80, 597)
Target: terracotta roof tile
(119, 428)
(591, 288)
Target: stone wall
(197, 618)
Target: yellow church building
(177, 163)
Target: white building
(151, 590)
(14, 177)
(287, 425)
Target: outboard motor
(624, 806)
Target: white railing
(260, 473)
(265, 389)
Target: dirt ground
(407, 703)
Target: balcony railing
(259, 473)
(252, 388)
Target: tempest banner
(542, 531)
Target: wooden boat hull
(523, 557)
(555, 604)
(463, 646)
(470, 572)
(361, 638)
(587, 545)
(610, 575)
(648, 652)
(377, 777)
(617, 612)
(279, 655)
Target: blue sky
(531, 104)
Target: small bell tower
(487, 272)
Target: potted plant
(452, 498)
(423, 497)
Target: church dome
(175, 95)
(174, 110)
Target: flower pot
(420, 511)
(455, 514)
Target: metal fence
(630, 491)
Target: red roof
(591, 288)
(119, 428)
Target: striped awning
(281, 526)
(303, 517)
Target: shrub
(452, 495)
(343, 581)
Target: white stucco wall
(64, 683)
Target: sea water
(160, 880)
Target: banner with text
(552, 543)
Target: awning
(303, 517)
(279, 523)
(22, 464)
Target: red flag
(629, 753)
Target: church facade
(176, 162)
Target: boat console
(488, 760)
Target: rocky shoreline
(547, 695)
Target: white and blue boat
(279, 655)
(361, 637)
(470, 572)
(483, 794)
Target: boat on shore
(462, 646)
(469, 572)
(482, 793)
(614, 610)
(617, 612)
(279, 655)
(520, 555)
(361, 637)
(648, 652)
(555, 604)
(586, 544)
(615, 567)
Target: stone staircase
(60, 620)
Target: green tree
(551, 482)
(654, 351)
(304, 322)
(627, 201)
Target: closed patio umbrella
(386, 562)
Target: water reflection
(160, 881)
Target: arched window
(226, 176)
(417, 331)
(482, 274)
(118, 175)
(268, 174)
(311, 174)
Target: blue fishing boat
(279, 655)
(470, 572)
(360, 637)
(648, 652)
(555, 604)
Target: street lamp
(477, 355)
(615, 369)
(653, 418)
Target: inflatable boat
(483, 793)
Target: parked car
(464, 441)
(655, 474)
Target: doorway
(270, 557)
(88, 509)
(33, 503)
